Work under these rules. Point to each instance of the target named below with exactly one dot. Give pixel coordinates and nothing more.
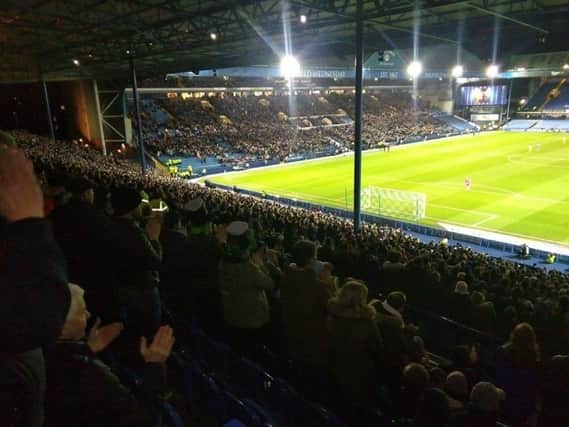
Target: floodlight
(303, 19)
(414, 69)
(566, 66)
(76, 62)
(289, 67)
(492, 71)
(523, 101)
(457, 71)
(213, 36)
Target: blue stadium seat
(233, 408)
(179, 373)
(283, 400)
(265, 418)
(215, 355)
(169, 417)
(307, 414)
(250, 379)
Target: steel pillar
(99, 117)
(359, 116)
(137, 115)
(48, 110)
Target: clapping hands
(101, 337)
(161, 346)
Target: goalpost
(394, 203)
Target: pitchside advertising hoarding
(483, 95)
(485, 117)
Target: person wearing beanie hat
(203, 252)
(197, 215)
(83, 233)
(125, 201)
(243, 288)
(136, 256)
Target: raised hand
(21, 196)
(161, 345)
(100, 338)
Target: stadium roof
(46, 36)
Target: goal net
(394, 203)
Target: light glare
(457, 71)
(414, 69)
(213, 36)
(492, 71)
(76, 62)
(289, 67)
(303, 19)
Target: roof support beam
(508, 18)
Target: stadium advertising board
(483, 95)
(485, 117)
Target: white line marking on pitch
(490, 218)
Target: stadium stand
(434, 358)
(235, 132)
(520, 124)
(536, 101)
(457, 123)
(558, 100)
(537, 125)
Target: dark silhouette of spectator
(35, 297)
(244, 289)
(415, 381)
(306, 287)
(136, 258)
(555, 393)
(205, 251)
(83, 234)
(517, 374)
(483, 409)
(459, 307)
(355, 345)
(176, 267)
(432, 409)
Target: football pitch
(514, 190)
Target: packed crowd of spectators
(232, 128)
(258, 274)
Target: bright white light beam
(289, 67)
(457, 71)
(414, 69)
(492, 71)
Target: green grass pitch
(514, 190)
